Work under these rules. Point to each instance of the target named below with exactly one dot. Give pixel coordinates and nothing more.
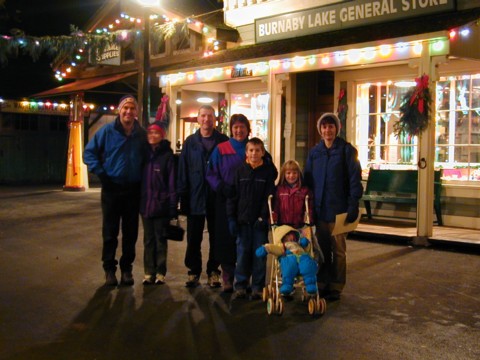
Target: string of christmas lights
(74, 48)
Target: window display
(457, 127)
(255, 107)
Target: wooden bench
(398, 186)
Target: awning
(83, 85)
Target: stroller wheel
(270, 306)
(265, 294)
(311, 306)
(321, 306)
(279, 306)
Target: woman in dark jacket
(158, 203)
(333, 172)
(226, 158)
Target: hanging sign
(109, 56)
(348, 14)
(237, 72)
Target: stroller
(271, 293)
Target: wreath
(415, 109)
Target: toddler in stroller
(296, 254)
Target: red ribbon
(162, 108)
(421, 86)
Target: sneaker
(110, 278)
(256, 295)
(193, 281)
(127, 278)
(148, 280)
(240, 294)
(160, 279)
(214, 280)
(227, 288)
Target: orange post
(76, 178)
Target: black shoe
(127, 278)
(110, 278)
(239, 294)
(256, 295)
(193, 281)
(332, 295)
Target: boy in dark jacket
(247, 214)
(158, 203)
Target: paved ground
(400, 302)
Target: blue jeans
(249, 265)
(155, 245)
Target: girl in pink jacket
(289, 199)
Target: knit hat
(329, 118)
(281, 231)
(158, 126)
(127, 99)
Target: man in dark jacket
(196, 198)
(115, 155)
(333, 172)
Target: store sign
(348, 14)
(109, 56)
(241, 72)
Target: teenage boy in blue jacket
(333, 172)
(116, 155)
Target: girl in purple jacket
(158, 203)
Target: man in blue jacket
(116, 156)
(334, 173)
(197, 200)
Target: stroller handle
(307, 211)
(270, 197)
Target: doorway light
(204, 100)
(405, 84)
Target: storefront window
(457, 127)
(377, 111)
(255, 107)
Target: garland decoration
(415, 109)
(342, 107)
(64, 47)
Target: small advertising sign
(109, 56)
